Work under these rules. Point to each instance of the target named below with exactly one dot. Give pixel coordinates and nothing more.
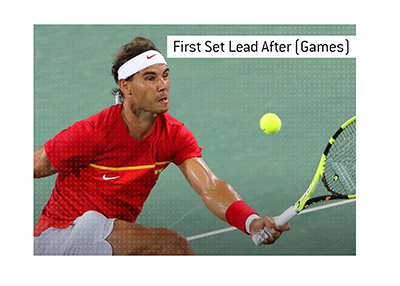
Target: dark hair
(136, 47)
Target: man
(108, 164)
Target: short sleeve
(186, 146)
(72, 148)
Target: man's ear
(124, 86)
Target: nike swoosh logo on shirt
(109, 178)
(149, 57)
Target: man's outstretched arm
(41, 164)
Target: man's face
(150, 90)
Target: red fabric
(237, 214)
(102, 168)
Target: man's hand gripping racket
(337, 170)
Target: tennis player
(108, 164)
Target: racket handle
(287, 215)
(280, 220)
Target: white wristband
(249, 221)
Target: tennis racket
(336, 169)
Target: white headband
(140, 62)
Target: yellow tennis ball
(270, 123)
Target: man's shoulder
(104, 118)
(170, 120)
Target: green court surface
(221, 102)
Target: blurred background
(221, 101)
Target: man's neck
(139, 124)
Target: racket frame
(304, 201)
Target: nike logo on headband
(139, 63)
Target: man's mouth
(163, 99)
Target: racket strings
(340, 166)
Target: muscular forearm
(41, 164)
(215, 193)
(222, 200)
(219, 198)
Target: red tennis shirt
(102, 168)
